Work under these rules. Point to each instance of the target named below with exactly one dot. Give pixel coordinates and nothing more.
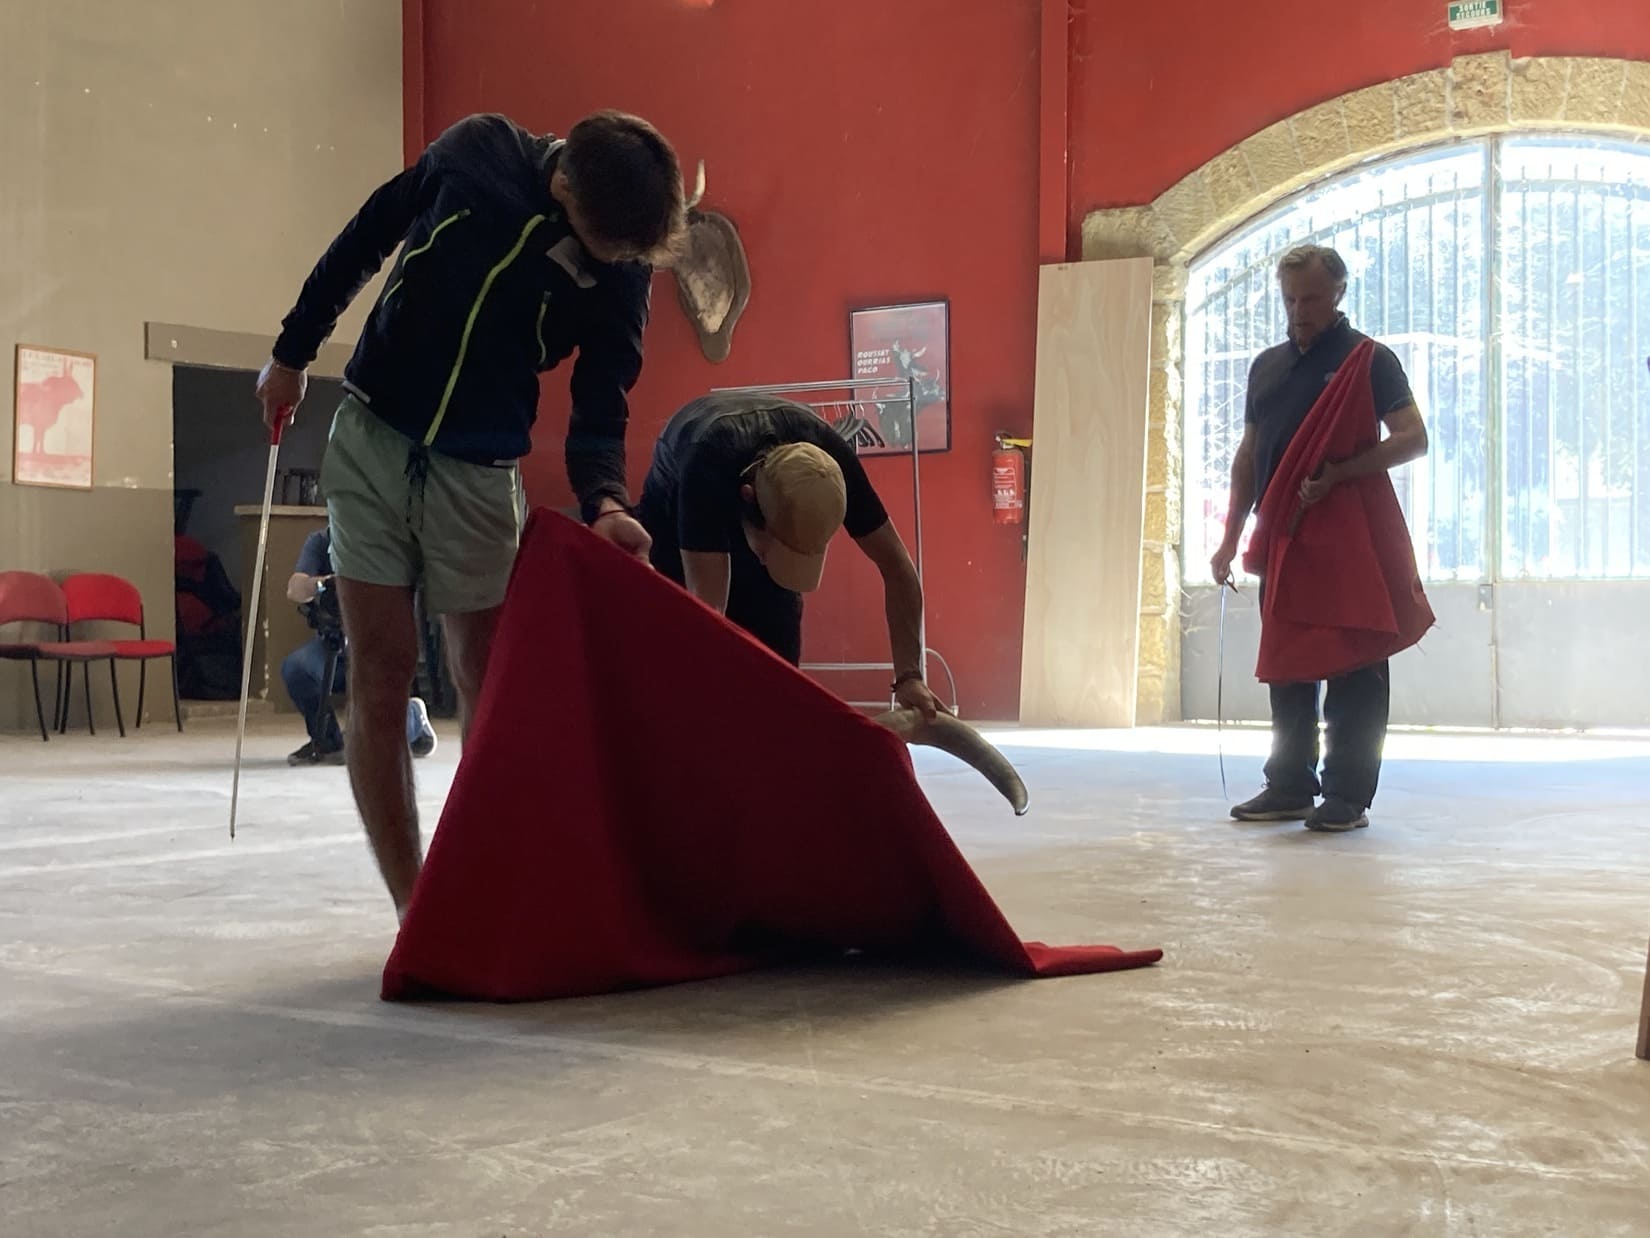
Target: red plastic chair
(98, 597)
(28, 597)
(69, 653)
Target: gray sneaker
(1337, 816)
(1272, 805)
(420, 734)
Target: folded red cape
(1341, 588)
(649, 796)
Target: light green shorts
(402, 516)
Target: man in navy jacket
(516, 250)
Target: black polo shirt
(1284, 384)
(699, 463)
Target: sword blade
(252, 626)
(1220, 696)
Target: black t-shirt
(1284, 384)
(701, 457)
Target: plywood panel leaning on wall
(1088, 494)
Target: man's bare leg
(383, 654)
(469, 645)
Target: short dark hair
(1303, 256)
(628, 183)
(750, 511)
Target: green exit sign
(1472, 14)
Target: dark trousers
(1355, 710)
(303, 670)
(769, 613)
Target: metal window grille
(1562, 328)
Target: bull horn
(962, 741)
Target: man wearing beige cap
(742, 500)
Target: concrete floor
(1425, 1028)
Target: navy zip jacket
(491, 288)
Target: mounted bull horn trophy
(713, 279)
(962, 741)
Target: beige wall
(182, 162)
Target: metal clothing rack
(859, 432)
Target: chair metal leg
(143, 675)
(86, 682)
(114, 691)
(39, 712)
(60, 700)
(177, 700)
(68, 693)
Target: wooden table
(280, 628)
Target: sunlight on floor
(1405, 745)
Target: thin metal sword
(281, 418)
(1220, 694)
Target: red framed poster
(902, 342)
(55, 417)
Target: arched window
(1512, 278)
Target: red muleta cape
(649, 796)
(1341, 588)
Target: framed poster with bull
(56, 408)
(902, 342)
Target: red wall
(1157, 90)
(874, 151)
(871, 151)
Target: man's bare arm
(1242, 502)
(708, 575)
(303, 587)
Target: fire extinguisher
(1010, 471)
(1008, 480)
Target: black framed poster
(901, 342)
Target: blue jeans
(1355, 709)
(302, 671)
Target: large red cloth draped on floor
(1341, 587)
(649, 796)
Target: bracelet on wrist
(904, 679)
(592, 510)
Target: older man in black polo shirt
(1285, 382)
